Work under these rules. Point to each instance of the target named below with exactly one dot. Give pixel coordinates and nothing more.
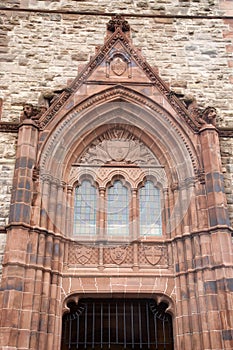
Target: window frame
(133, 210)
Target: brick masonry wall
(41, 52)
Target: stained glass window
(117, 210)
(85, 209)
(150, 210)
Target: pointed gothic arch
(157, 126)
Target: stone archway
(116, 324)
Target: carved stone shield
(83, 254)
(118, 66)
(118, 254)
(118, 150)
(152, 253)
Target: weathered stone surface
(43, 51)
(227, 162)
(40, 52)
(7, 161)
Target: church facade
(119, 234)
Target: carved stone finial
(118, 21)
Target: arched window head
(85, 205)
(117, 210)
(150, 210)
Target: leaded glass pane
(85, 209)
(150, 210)
(118, 210)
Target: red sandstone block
(28, 302)
(23, 339)
(34, 335)
(66, 284)
(43, 322)
(10, 317)
(214, 320)
(52, 306)
(118, 288)
(76, 285)
(25, 319)
(13, 337)
(16, 299)
(185, 308)
(187, 341)
(186, 324)
(44, 304)
(53, 291)
(51, 323)
(36, 302)
(170, 287)
(206, 340)
(42, 340)
(228, 34)
(229, 48)
(88, 284)
(195, 323)
(103, 284)
(133, 289)
(50, 342)
(227, 6)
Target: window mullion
(133, 215)
(102, 213)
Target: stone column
(215, 269)
(216, 199)
(14, 323)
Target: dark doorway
(117, 324)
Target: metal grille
(117, 324)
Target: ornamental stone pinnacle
(118, 21)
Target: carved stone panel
(153, 254)
(149, 255)
(118, 255)
(82, 255)
(118, 66)
(118, 145)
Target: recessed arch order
(163, 133)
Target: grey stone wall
(7, 163)
(226, 145)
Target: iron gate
(117, 324)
